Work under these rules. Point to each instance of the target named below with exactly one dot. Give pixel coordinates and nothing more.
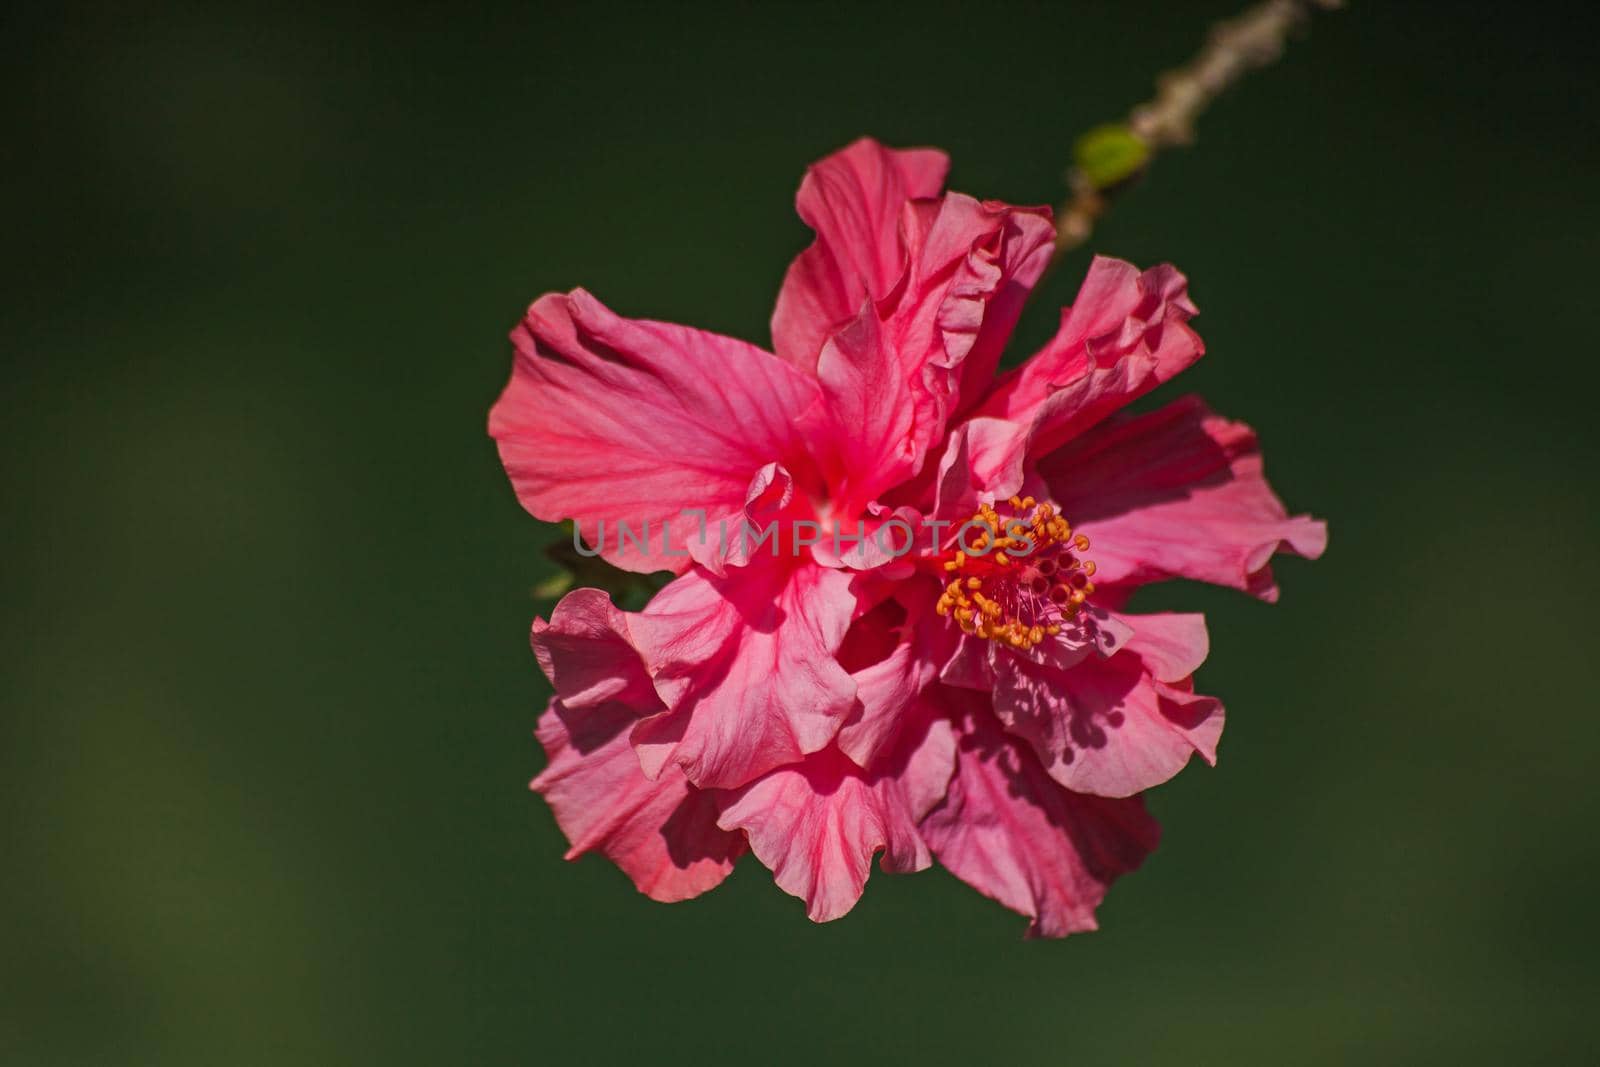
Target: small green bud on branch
(1108, 158)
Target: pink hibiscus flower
(927, 656)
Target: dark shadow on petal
(1131, 462)
(692, 834)
(591, 728)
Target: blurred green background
(266, 592)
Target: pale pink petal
(854, 200)
(883, 692)
(745, 666)
(1178, 492)
(983, 461)
(663, 833)
(1011, 832)
(614, 420)
(818, 823)
(889, 687)
(883, 537)
(1105, 727)
(915, 772)
(763, 526)
(1172, 645)
(587, 653)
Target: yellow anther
(1018, 579)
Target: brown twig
(1252, 39)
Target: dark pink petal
(973, 661)
(853, 199)
(1178, 492)
(973, 271)
(614, 420)
(1011, 832)
(903, 302)
(945, 326)
(663, 833)
(1125, 334)
(818, 823)
(870, 396)
(745, 666)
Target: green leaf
(628, 590)
(553, 587)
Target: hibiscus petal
(982, 461)
(869, 395)
(1105, 727)
(970, 665)
(1178, 492)
(587, 653)
(889, 688)
(818, 823)
(883, 691)
(977, 265)
(663, 833)
(1173, 645)
(614, 420)
(746, 666)
(1012, 833)
(969, 662)
(763, 524)
(895, 373)
(854, 200)
(1125, 334)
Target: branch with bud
(1109, 157)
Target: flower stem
(1107, 159)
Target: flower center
(1016, 576)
